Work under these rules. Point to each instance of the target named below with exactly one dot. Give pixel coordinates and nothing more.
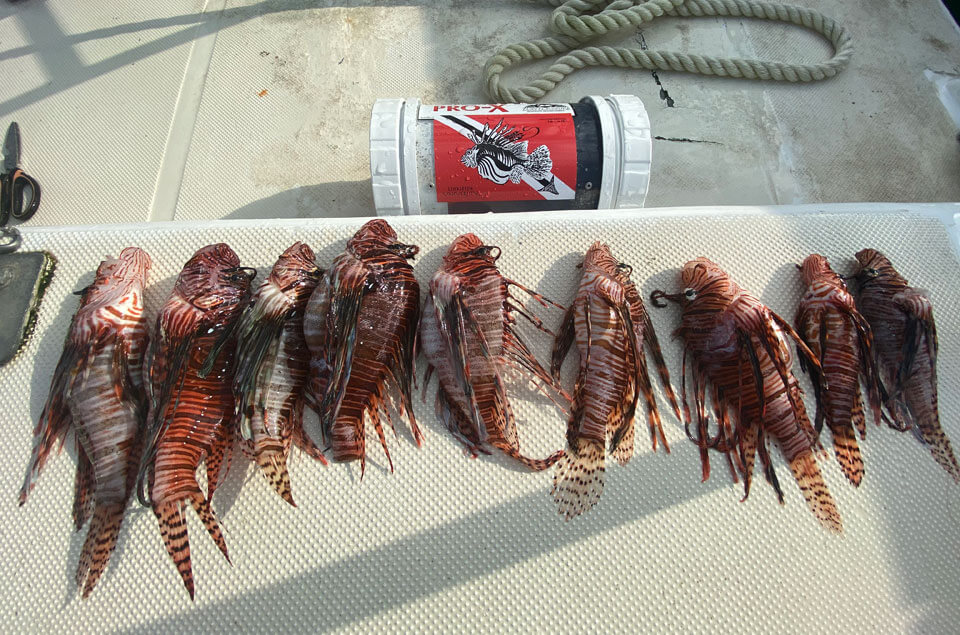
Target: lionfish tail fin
(202, 506)
(848, 454)
(578, 478)
(807, 473)
(273, 465)
(173, 529)
(99, 545)
(936, 439)
(303, 441)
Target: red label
(503, 157)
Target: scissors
(19, 192)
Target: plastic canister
(426, 159)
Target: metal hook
(10, 240)
(657, 297)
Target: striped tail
(173, 529)
(273, 464)
(815, 491)
(848, 453)
(934, 438)
(578, 479)
(99, 545)
(537, 465)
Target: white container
(613, 157)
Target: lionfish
(906, 339)
(500, 154)
(469, 338)
(841, 340)
(272, 367)
(610, 325)
(360, 326)
(97, 391)
(740, 349)
(189, 374)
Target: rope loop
(575, 23)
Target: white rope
(577, 22)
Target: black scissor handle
(15, 202)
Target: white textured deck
(451, 544)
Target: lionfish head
(873, 264)
(132, 264)
(468, 247)
(374, 235)
(295, 267)
(697, 275)
(213, 277)
(600, 259)
(469, 158)
(814, 267)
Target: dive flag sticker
(504, 156)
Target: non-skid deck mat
(449, 543)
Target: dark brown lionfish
(272, 367)
(500, 154)
(841, 340)
(906, 339)
(740, 350)
(468, 336)
(360, 326)
(189, 374)
(610, 325)
(97, 392)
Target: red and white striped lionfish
(500, 154)
(740, 349)
(841, 340)
(189, 373)
(610, 325)
(360, 326)
(97, 391)
(906, 339)
(468, 337)
(273, 365)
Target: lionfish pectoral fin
(55, 418)
(562, 343)
(99, 545)
(345, 303)
(221, 342)
(650, 338)
(170, 368)
(540, 298)
(83, 489)
(578, 478)
(454, 318)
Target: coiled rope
(577, 22)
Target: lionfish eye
(872, 273)
(690, 293)
(624, 269)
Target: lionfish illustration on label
(500, 154)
